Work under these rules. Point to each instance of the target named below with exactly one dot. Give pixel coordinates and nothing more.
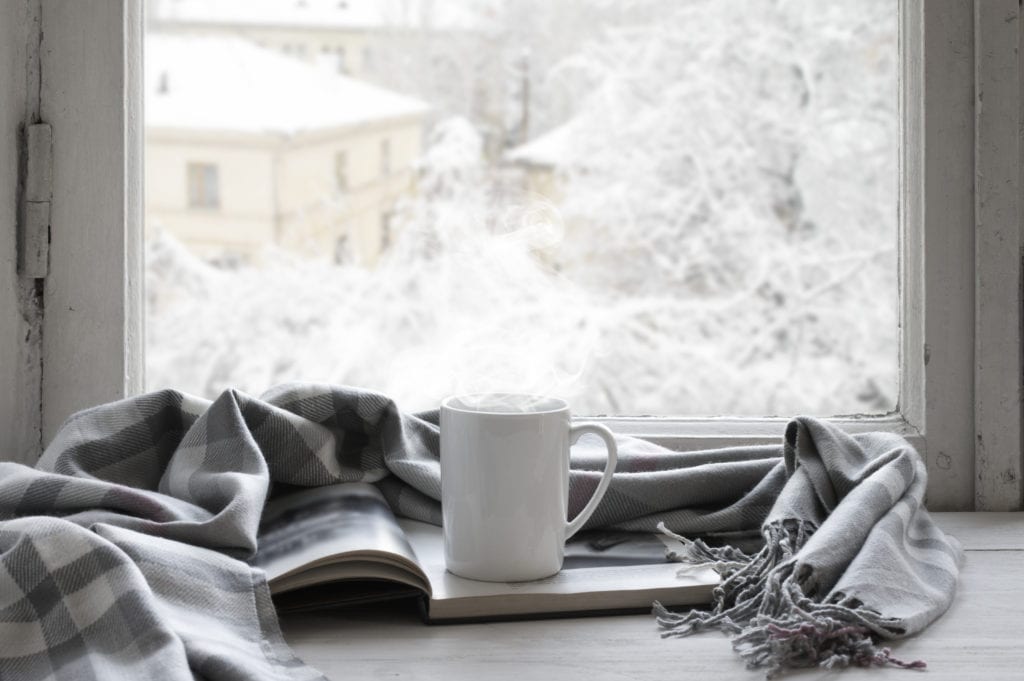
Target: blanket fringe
(773, 624)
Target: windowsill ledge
(980, 633)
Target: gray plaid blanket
(122, 553)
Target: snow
(548, 150)
(723, 242)
(229, 84)
(452, 308)
(329, 14)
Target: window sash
(939, 376)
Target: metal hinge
(34, 233)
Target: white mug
(505, 484)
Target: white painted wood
(12, 108)
(19, 300)
(982, 531)
(37, 192)
(979, 637)
(135, 254)
(93, 334)
(34, 238)
(938, 199)
(997, 252)
(713, 433)
(91, 97)
(911, 402)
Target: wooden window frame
(960, 265)
(90, 56)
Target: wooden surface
(939, 270)
(979, 638)
(91, 95)
(20, 303)
(997, 376)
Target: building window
(341, 250)
(341, 171)
(385, 157)
(334, 58)
(387, 222)
(203, 185)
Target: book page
(305, 532)
(602, 572)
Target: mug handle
(575, 432)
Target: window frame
(960, 366)
(88, 60)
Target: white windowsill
(978, 638)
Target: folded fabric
(122, 553)
(850, 555)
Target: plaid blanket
(123, 552)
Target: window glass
(648, 207)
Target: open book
(341, 545)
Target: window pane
(667, 207)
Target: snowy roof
(336, 14)
(548, 150)
(229, 84)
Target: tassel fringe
(773, 624)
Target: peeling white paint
(20, 297)
(997, 249)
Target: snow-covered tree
(459, 304)
(734, 173)
(722, 240)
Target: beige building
(541, 159)
(246, 148)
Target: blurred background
(648, 207)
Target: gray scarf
(122, 553)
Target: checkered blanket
(123, 552)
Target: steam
(505, 403)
